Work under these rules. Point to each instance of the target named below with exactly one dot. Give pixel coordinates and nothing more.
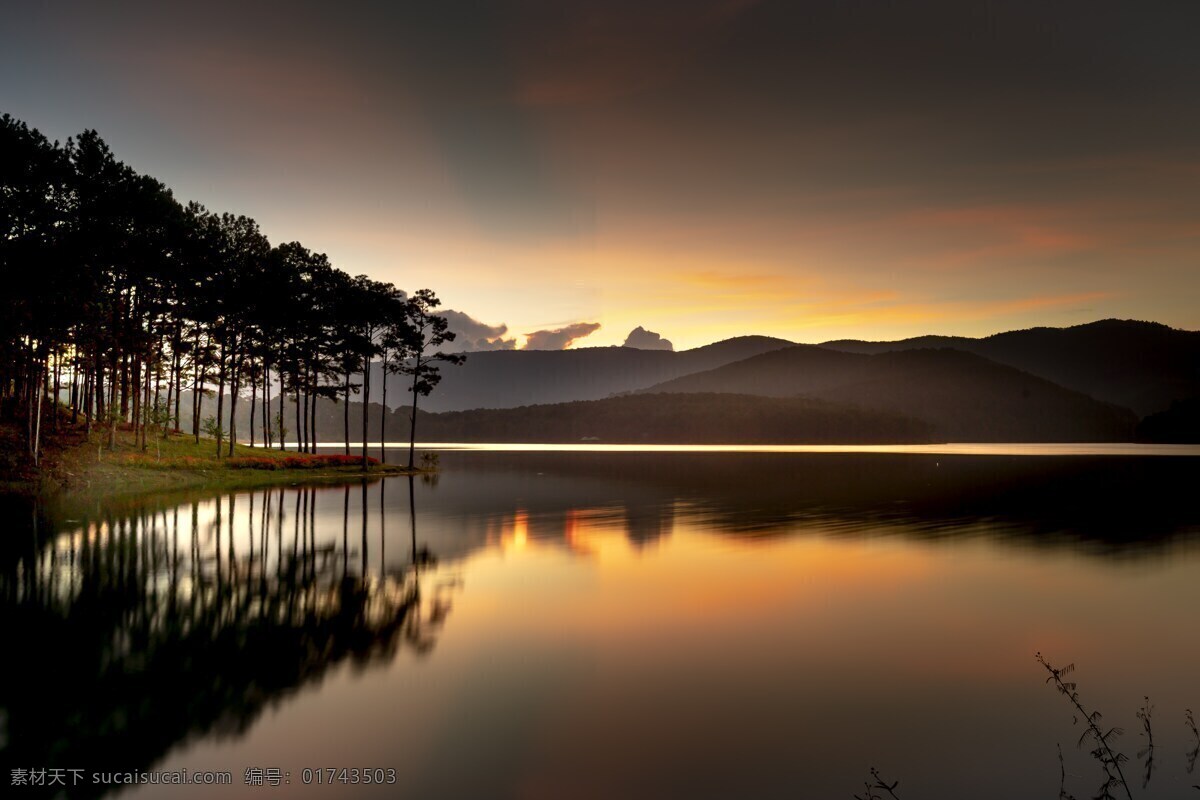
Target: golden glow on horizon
(820, 582)
(814, 594)
(693, 301)
(516, 537)
(532, 179)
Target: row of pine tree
(118, 299)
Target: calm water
(616, 624)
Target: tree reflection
(129, 634)
(421, 632)
(1116, 508)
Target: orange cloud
(850, 313)
(559, 338)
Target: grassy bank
(76, 464)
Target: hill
(961, 396)
(1144, 366)
(511, 378)
(1179, 424)
(677, 419)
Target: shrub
(253, 462)
(297, 462)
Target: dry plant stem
(1190, 721)
(869, 794)
(1144, 713)
(1062, 773)
(879, 783)
(1063, 794)
(1108, 757)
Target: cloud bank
(471, 335)
(643, 339)
(559, 338)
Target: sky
(562, 173)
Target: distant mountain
(511, 378)
(630, 419)
(1002, 388)
(677, 419)
(1140, 365)
(961, 396)
(802, 369)
(1179, 424)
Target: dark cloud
(472, 335)
(643, 339)
(559, 338)
(805, 135)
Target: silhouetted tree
(120, 296)
(429, 331)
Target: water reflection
(1118, 508)
(139, 631)
(635, 625)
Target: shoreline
(1040, 449)
(75, 468)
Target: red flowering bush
(174, 462)
(297, 462)
(253, 462)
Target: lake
(594, 624)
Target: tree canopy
(119, 299)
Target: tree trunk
(30, 402)
(299, 437)
(312, 439)
(220, 398)
(235, 387)
(178, 376)
(266, 405)
(197, 386)
(253, 399)
(170, 394)
(282, 395)
(365, 403)
(57, 385)
(384, 411)
(124, 373)
(146, 408)
(304, 424)
(81, 394)
(412, 431)
(161, 410)
(98, 390)
(135, 395)
(111, 407)
(346, 418)
(37, 424)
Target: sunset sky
(810, 170)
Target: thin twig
(1063, 794)
(1190, 721)
(1103, 752)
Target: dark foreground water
(613, 625)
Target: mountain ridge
(1067, 384)
(513, 378)
(962, 396)
(1141, 365)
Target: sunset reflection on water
(644, 625)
